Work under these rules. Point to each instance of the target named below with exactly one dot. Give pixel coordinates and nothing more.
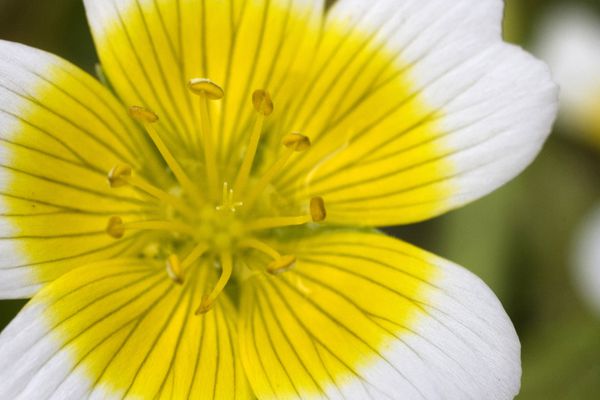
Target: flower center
(227, 225)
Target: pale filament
(122, 175)
(277, 222)
(226, 270)
(147, 118)
(279, 264)
(207, 90)
(264, 107)
(293, 143)
(176, 269)
(260, 246)
(317, 210)
(117, 228)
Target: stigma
(206, 219)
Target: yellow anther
(174, 269)
(296, 141)
(206, 87)
(282, 264)
(117, 177)
(317, 209)
(226, 270)
(115, 227)
(143, 115)
(261, 99)
(205, 305)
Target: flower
(586, 261)
(569, 40)
(234, 251)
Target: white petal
(121, 329)
(467, 112)
(365, 316)
(61, 132)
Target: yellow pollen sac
(317, 209)
(117, 177)
(115, 227)
(174, 269)
(296, 141)
(282, 264)
(205, 305)
(261, 99)
(206, 87)
(143, 115)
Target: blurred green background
(518, 240)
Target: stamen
(147, 118)
(176, 269)
(122, 175)
(206, 87)
(317, 209)
(277, 222)
(282, 264)
(293, 142)
(116, 227)
(226, 270)
(117, 176)
(194, 255)
(207, 90)
(279, 264)
(264, 107)
(318, 213)
(260, 246)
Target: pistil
(227, 202)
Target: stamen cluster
(220, 225)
